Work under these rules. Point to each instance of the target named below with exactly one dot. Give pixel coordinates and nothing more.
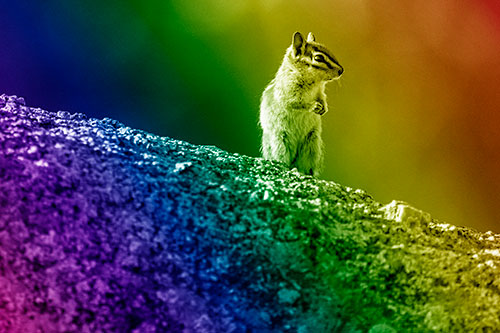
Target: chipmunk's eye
(319, 58)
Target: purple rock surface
(105, 228)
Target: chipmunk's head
(313, 59)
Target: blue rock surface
(104, 228)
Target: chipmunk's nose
(340, 71)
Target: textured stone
(108, 228)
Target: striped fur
(292, 105)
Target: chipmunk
(293, 103)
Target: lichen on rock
(108, 228)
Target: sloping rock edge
(108, 228)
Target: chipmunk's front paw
(318, 108)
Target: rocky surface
(104, 228)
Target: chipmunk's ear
(310, 37)
(297, 44)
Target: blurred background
(415, 116)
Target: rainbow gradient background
(415, 117)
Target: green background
(415, 116)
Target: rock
(401, 211)
(108, 228)
(382, 328)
